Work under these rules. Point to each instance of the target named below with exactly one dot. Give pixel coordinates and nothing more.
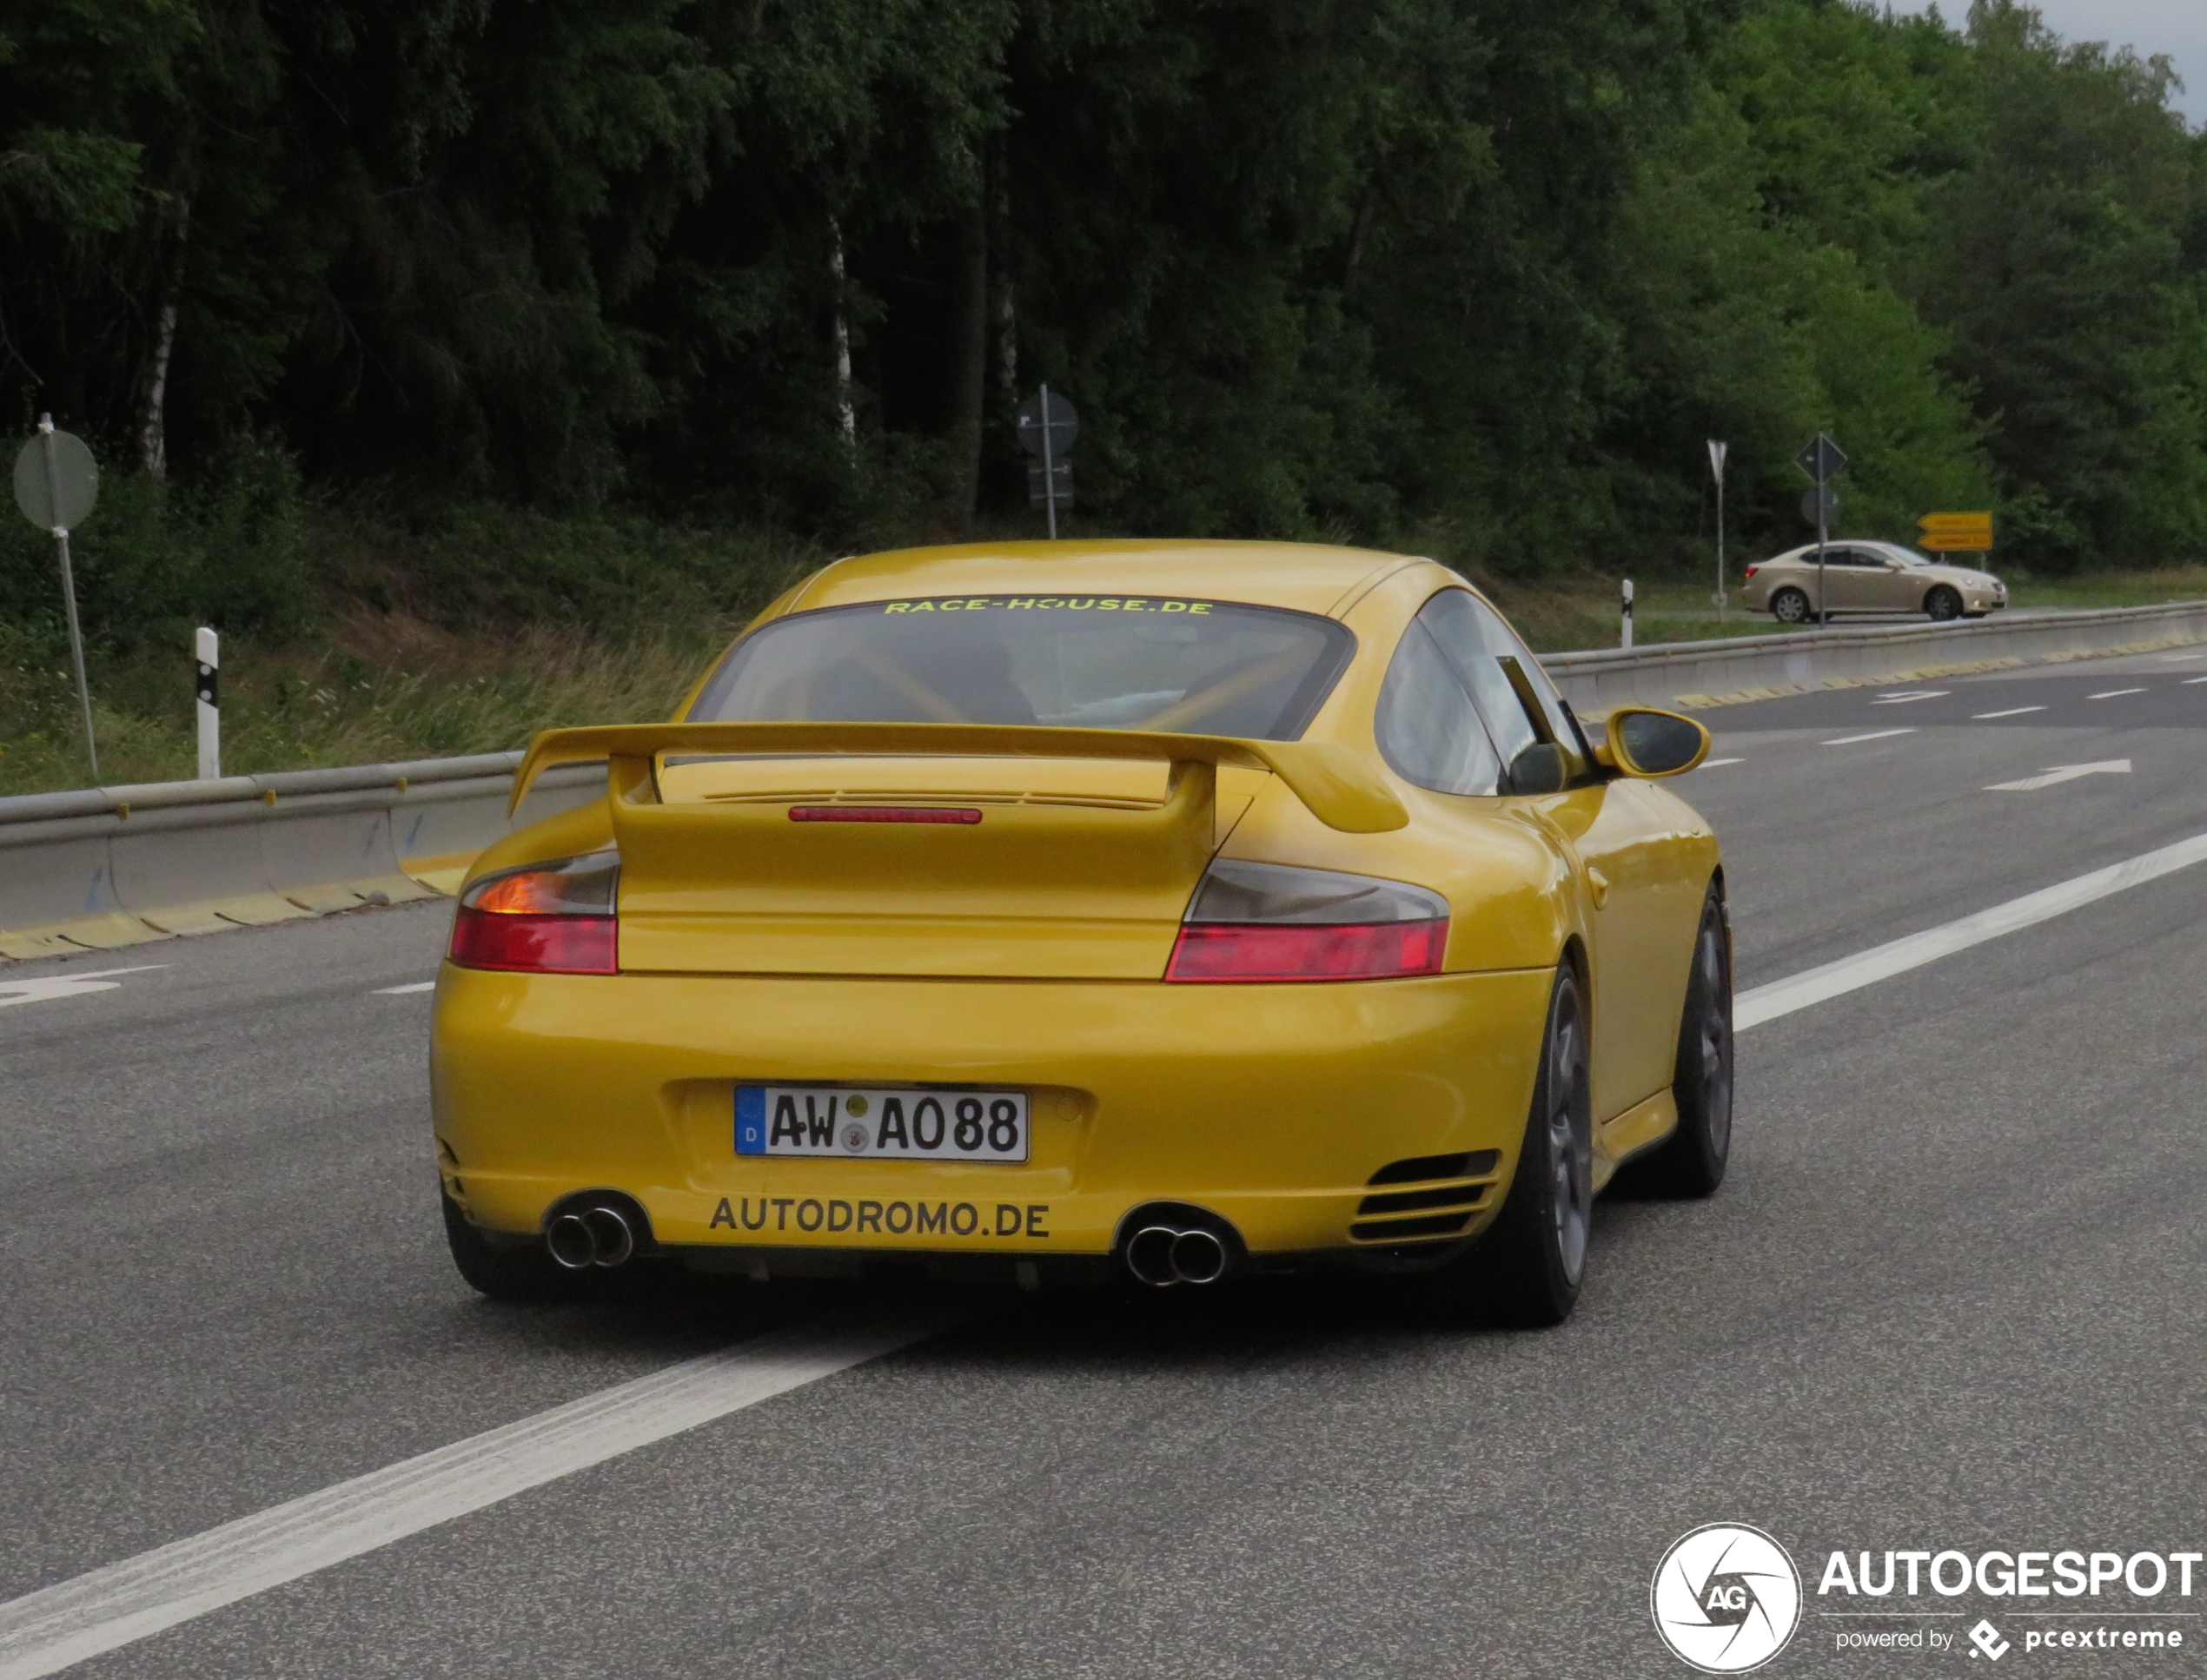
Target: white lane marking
(2115, 693)
(72, 1620)
(49, 987)
(1751, 1009)
(402, 991)
(1711, 763)
(2172, 659)
(2189, 681)
(1905, 699)
(2013, 711)
(1875, 735)
(2055, 774)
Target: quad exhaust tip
(1162, 1255)
(587, 1237)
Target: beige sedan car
(1870, 577)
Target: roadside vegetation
(478, 370)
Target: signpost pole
(1823, 539)
(1717, 454)
(68, 594)
(1048, 468)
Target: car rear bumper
(1268, 1106)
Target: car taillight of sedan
(1266, 922)
(554, 917)
(1752, 570)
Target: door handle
(1598, 884)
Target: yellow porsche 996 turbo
(1081, 910)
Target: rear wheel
(1526, 1269)
(503, 1273)
(1943, 603)
(1789, 606)
(1691, 1161)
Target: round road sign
(58, 493)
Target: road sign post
(1717, 454)
(1822, 460)
(57, 484)
(1048, 426)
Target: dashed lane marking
(67, 1623)
(2115, 693)
(2189, 681)
(1910, 699)
(47, 987)
(1782, 997)
(1875, 735)
(405, 990)
(1711, 763)
(2013, 711)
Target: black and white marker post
(57, 484)
(207, 654)
(1625, 632)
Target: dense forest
(1479, 277)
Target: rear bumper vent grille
(1378, 1218)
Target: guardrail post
(207, 649)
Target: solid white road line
(1751, 1009)
(2115, 693)
(2054, 774)
(2013, 711)
(1875, 735)
(403, 991)
(58, 1625)
(48, 987)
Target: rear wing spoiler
(1338, 786)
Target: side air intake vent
(1421, 1169)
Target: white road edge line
(402, 991)
(65, 1623)
(1781, 998)
(2115, 693)
(1875, 735)
(2015, 712)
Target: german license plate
(910, 1125)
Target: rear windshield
(1186, 666)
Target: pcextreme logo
(1726, 1599)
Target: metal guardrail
(101, 867)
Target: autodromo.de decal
(1726, 1598)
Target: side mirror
(1540, 768)
(1647, 743)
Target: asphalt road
(1950, 1297)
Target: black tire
(1790, 606)
(1526, 1269)
(502, 1274)
(1691, 1161)
(1943, 603)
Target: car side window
(1521, 704)
(1428, 730)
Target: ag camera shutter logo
(1726, 1599)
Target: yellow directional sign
(1963, 522)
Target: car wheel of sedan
(522, 1274)
(1943, 603)
(1691, 1161)
(1527, 1267)
(1789, 606)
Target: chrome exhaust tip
(1149, 1256)
(569, 1241)
(610, 1240)
(1198, 1256)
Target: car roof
(1309, 577)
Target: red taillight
(1338, 951)
(541, 944)
(962, 816)
(1753, 570)
(554, 917)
